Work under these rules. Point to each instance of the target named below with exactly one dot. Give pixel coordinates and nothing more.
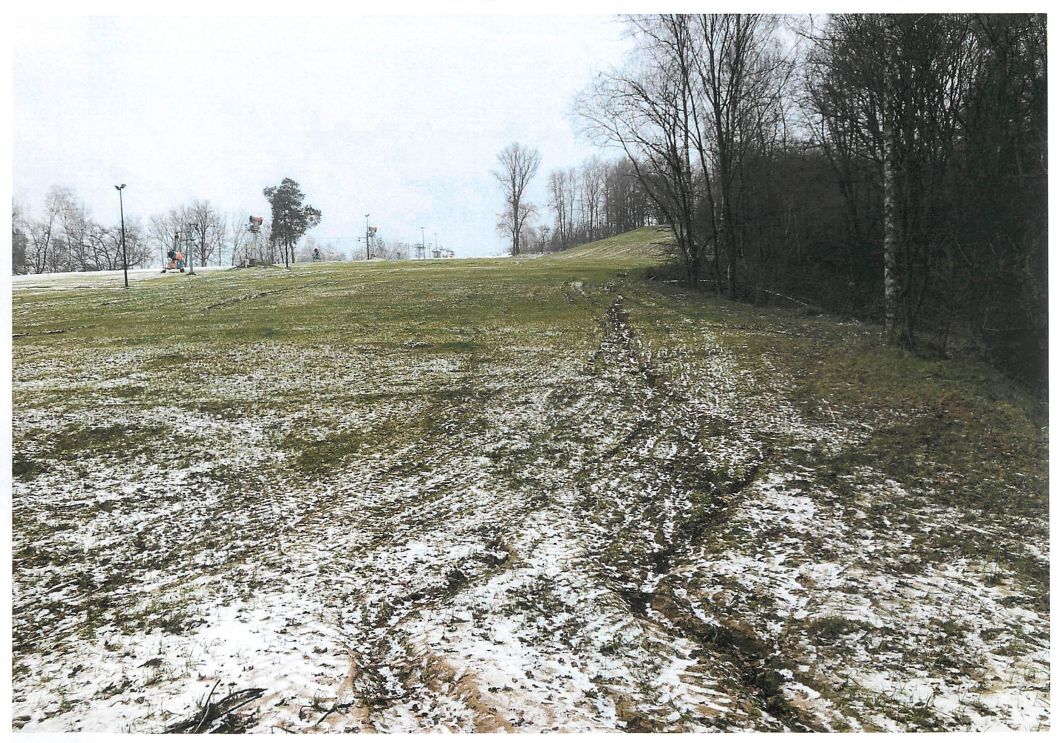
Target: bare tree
(102, 248)
(556, 184)
(266, 246)
(649, 110)
(241, 239)
(161, 235)
(208, 230)
(890, 95)
(741, 76)
(611, 200)
(76, 231)
(571, 206)
(518, 165)
(58, 241)
(593, 185)
(702, 92)
(41, 238)
(19, 238)
(626, 206)
(137, 248)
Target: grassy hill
(512, 494)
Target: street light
(423, 243)
(367, 235)
(124, 255)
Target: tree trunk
(517, 227)
(729, 243)
(894, 309)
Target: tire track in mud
(389, 666)
(560, 501)
(626, 539)
(647, 583)
(531, 526)
(542, 557)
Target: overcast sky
(401, 117)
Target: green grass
(962, 433)
(933, 421)
(325, 372)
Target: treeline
(589, 202)
(892, 167)
(66, 238)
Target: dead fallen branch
(218, 717)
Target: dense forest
(889, 167)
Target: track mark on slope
(689, 492)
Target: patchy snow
(569, 538)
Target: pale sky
(400, 116)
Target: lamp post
(124, 255)
(423, 241)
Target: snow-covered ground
(560, 537)
(92, 279)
